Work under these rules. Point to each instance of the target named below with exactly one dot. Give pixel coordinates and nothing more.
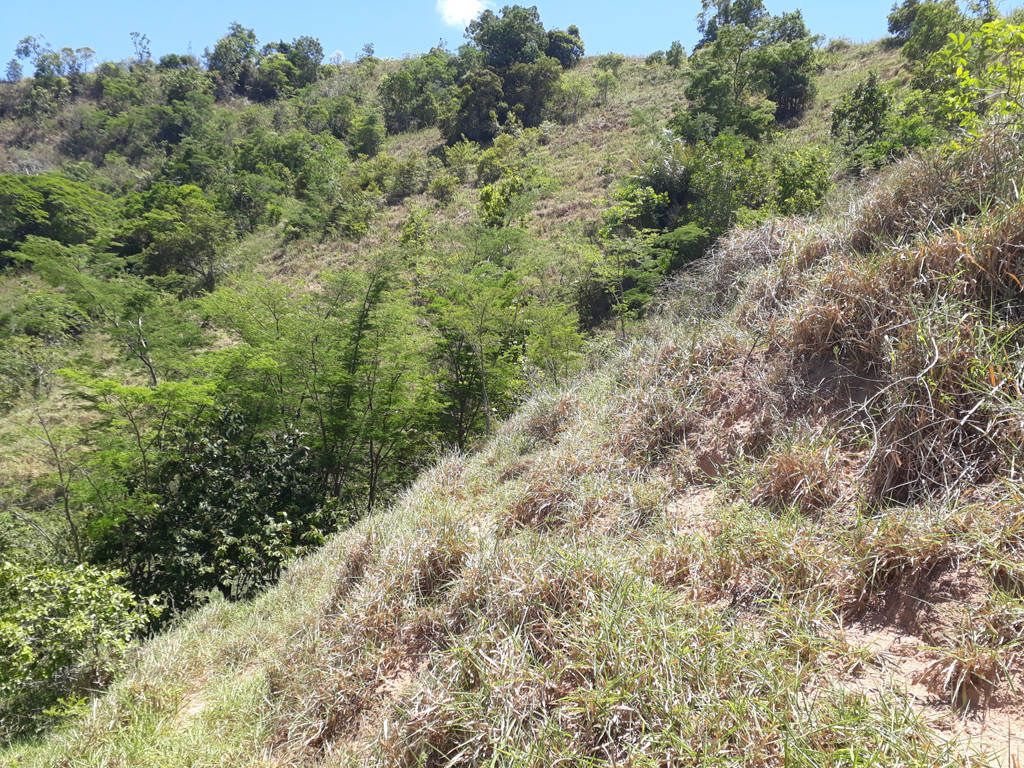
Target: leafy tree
(860, 115)
(787, 51)
(231, 507)
(874, 129)
(397, 93)
(481, 106)
(174, 61)
(606, 82)
(50, 206)
(175, 230)
(528, 89)
(930, 23)
(575, 93)
(629, 269)
(140, 320)
(727, 86)
(305, 54)
(515, 37)
(716, 14)
(14, 73)
(747, 73)
(367, 134)
(233, 56)
(420, 92)
(676, 55)
(611, 62)
(565, 47)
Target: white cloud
(458, 13)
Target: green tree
(233, 56)
(13, 73)
(145, 323)
(575, 93)
(230, 507)
(931, 23)
(53, 207)
(528, 89)
(481, 108)
(517, 36)
(728, 85)
(565, 47)
(175, 230)
(676, 55)
(716, 14)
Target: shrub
(236, 504)
(498, 202)
(461, 157)
(442, 188)
(367, 134)
(63, 632)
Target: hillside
(503, 407)
(687, 556)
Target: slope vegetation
(782, 527)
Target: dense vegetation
(246, 300)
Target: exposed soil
(907, 645)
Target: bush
(873, 130)
(500, 203)
(63, 633)
(367, 134)
(442, 188)
(461, 157)
(235, 505)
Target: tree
(930, 24)
(176, 230)
(139, 319)
(141, 45)
(984, 75)
(13, 73)
(716, 14)
(786, 54)
(611, 62)
(728, 85)
(481, 107)
(565, 47)
(747, 73)
(52, 207)
(527, 88)
(276, 78)
(860, 116)
(232, 56)
(515, 37)
(230, 506)
(676, 55)
(306, 54)
(574, 95)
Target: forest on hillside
(245, 298)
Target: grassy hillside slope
(781, 527)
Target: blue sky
(396, 27)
